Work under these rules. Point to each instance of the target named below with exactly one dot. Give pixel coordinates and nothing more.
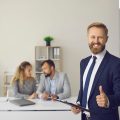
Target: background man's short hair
(49, 62)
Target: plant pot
(48, 43)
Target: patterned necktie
(84, 98)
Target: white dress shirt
(53, 86)
(99, 59)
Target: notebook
(22, 102)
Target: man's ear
(107, 38)
(52, 68)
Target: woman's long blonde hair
(19, 75)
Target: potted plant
(48, 40)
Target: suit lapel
(48, 84)
(82, 70)
(56, 78)
(99, 72)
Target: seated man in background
(53, 84)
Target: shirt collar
(100, 55)
(55, 76)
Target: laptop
(21, 102)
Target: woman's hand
(33, 96)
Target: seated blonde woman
(24, 85)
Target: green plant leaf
(48, 38)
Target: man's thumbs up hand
(102, 99)
(101, 90)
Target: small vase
(48, 43)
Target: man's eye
(93, 37)
(100, 37)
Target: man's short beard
(95, 50)
(47, 75)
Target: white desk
(42, 110)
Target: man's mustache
(95, 44)
(47, 75)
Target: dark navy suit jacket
(108, 75)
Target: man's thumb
(101, 90)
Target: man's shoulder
(86, 59)
(42, 77)
(62, 76)
(61, 73)
(113, 58)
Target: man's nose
(96, 39)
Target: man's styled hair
(98, 25)
(49, 62)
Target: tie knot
(94, 58)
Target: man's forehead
(45, 65)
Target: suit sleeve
(114, 99)
(80, 91)
(66, 88)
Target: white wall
(24, 23)
(119, 3)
